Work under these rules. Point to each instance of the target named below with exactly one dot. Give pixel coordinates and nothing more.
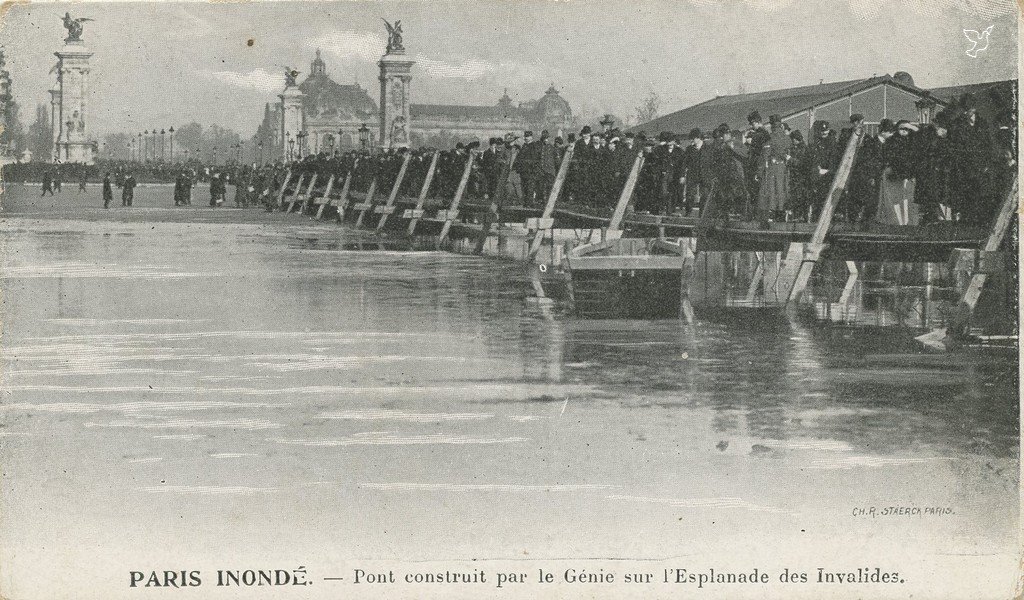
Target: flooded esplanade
(246, 376)
(454, 300)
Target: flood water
(202, 389)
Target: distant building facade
(333, 114)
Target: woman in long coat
(934, 193)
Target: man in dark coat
(698, 172)
(934, 176)
(973, 159)
(177, 189)
(579, 188)
(623, 159)
(128, 190)
(755, 139)
(547, 169)
(47, 183)
(728, 192)
(108, 191)
(490, 166)
(861, 198)
(802, 175)
(527, 165)
(668, 162)
(823, 158)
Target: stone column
(395, 82)
(55, 120)
(291, 120)
(73, 68)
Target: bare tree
(648, 109)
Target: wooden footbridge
(619, 242)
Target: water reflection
(411, 382)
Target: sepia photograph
(595, 299)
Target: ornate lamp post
(138, 149)
(145, 146)
(215, 155)
(128, 149)
(364, 136)
(291, 145)
(171, 131)
(163, 138)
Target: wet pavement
(194, 388)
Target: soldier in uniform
(773, 187)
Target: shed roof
(733, 109)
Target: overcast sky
(163, 64)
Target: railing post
(365, 205)
(817, 244)
(309, 190)
(343, 200)
(544, 222)
(388, 207)
(327, 198)
(298, 188)
(284, 186)
(627, 193)
(452, 212)
(417, 212)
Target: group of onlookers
(955, 167)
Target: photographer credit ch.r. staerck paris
(594, 299)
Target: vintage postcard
(525, 299)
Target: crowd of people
(954, 168)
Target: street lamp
(302, 142)
(364, 135)
(171, 131)
(138, 149)
(163, 138)
(215, 155)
